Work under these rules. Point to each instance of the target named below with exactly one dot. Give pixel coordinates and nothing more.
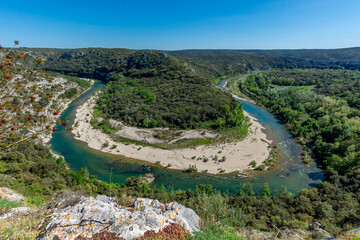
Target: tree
(22, 114)
(266, 191)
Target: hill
(157, 90)
(148, 88)
(331, 207)
(98, 62)
(340, 56)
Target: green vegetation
(343, 84)
(214, 232)
(235, 61)
(99, 62)
(6, 205)
(252, 163)
(217, 63)
(191, 168)
(261, 167)
(333, 203)
(159, 91)
(329, 126)
(320, 108)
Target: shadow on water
(289, 170)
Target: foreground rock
(91, 216)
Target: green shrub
(216, 232)
(6, 205)
(191, 168)
(260, 167)
(252, 164)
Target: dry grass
(25, 226)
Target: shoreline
(235, 96)
(238, 154)
(46, 138)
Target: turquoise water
(289, 170)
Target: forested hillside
(327, 125)
(157, 90)
(217, 62)
(343, 84)
(240, 60)
(98, 62)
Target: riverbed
(289, 170)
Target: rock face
(15, 211)
(10, 194)
(94, 215)
(72, 54)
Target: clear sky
(181, 24)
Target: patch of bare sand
(238, 155)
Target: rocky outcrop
(15, 212)
(72, 54)
(10, 194)
(91, 216)
(316, 227)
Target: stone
(91, 216)
(15, 211)
(72, 54)
(10, 194)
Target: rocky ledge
(10, 194)
(88, 217)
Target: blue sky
(174, 24)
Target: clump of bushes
(252, 164)
(191, 168)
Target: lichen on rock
(91, 216)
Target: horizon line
(191, 49)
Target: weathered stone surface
(15, 211)
(10, 194)
(72, 54)
(93, 215)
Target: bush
(6, 205)
(106, 144)
(260, 167)
(191, 168)
(252, 164)
(215, 232)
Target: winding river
(289, 170)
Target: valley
(154, 126)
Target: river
(289, 170)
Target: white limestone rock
(15, 211)
(10, 194)
(95, 215)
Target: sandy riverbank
(238, 155)
(62, 105)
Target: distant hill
(213, 63)
(98, 62)
(325, 56)
(147, 88)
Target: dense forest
(99, 62)
(329, 58)
(157, 90)
(343, 84)
(327, 124)
(220, 62)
